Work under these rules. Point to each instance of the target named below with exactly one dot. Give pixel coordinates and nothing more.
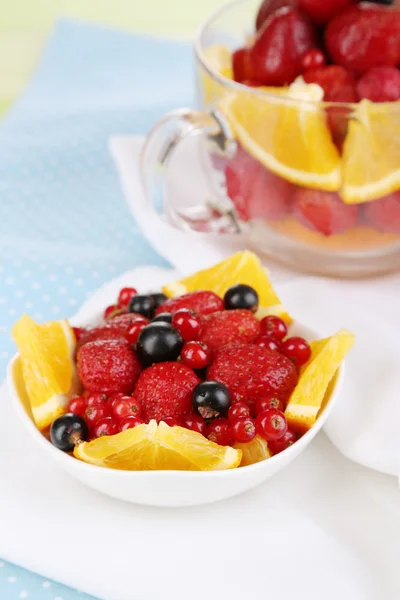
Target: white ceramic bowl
(162, 488)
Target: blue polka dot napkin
(64, 224)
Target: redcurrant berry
(96, 398)
(268, 342)
(105, 426)
(132, 335)
(238, 411)
(284, 442)
(126, 407)
(196, 355)
(274, 327)
(77, 406)
(313, 59)
(194, 423)
(171, 421)
(95, 413)
(187, 323)
(125, 296)
(297, 349)
(271, 424)
(116, 398)
(266, 403)
(111, 311)
(243, 430)
(78, 331)
(129, 423)
(219, 432)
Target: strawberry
(164, 390)
(250, 372)
(256, 192)
(384, 214)
(229, 327)
(203, 303)
(115, 328)
(276, 54)
(99, 333)
(324, 211)
(108, 366)
(339, 85)
(269, 7)
(364, 36)
(323, 11)
(380, 84)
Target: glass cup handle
(159, 148)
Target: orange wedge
(371, 159)
(289, 138)
(243, 267)
(47, 354)
(158, 447)
(254, 451)
(315, 378)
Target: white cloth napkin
(364, 425)
(323, 528)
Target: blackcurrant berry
(241, 296)
(211, 399)
(67, 431)
(144, 305)
(158, 342)
(164, 317)
(158, 299)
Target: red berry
(284, 442)
(94, 413)
(268, 342)
(129, 423)
(77, 406)
(268, 7)
(268, 403)
(323, 11)
(229, 327)
(240, 64)
(125, 296)
(202, 302)
(364, 36)
(274, 327)
(243, 430)
(110, 311)
(105, 426)
(384, 214)
(251, 372)
(108, 366)
(172, 422)
(380, 84)
(271, 425)
(256, 192)
(219, 432)
(165, 389)
(196, 355)
(96, 398)
(132, 335)
(339, 85)
(297, 349)
(194, 423)
(313, 59)
(187, 323)
(126, 407)
(115, 398)
(275, 57)
(324, 212)
(238, 410)
(78, 332)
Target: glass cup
(274, 199)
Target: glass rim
(276, 98)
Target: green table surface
(25, 25)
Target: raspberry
(108, 366)
(324, 211)
(323, 11)
(269, 7)
(380, 84)
(364, 36)
(251, 372)
(164, 390)
(384, 214)
(229, 327)
(202, 302)
(256, 192)
(338, 84)
(275, 57)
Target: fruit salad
(203, 375)
(317, 121)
